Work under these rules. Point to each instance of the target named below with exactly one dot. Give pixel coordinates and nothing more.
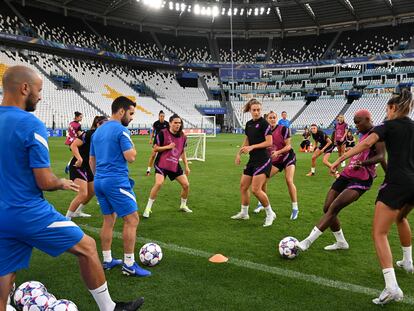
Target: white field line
(264, 268)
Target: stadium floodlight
(241, 11)
(197, 9)
(215, 11)
(155, 4)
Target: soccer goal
(200, 124)
(196, 146)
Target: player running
(170, 145)
(27, 219)
(283, 157)
(111, 151)
(158, 125)
(325, 147)
(258, 139)
(353, 182)
(74, 129)
(340, 133)
(395, 197)
(80, 170)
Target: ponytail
(403, 101)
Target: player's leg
(404, 232)
(245, 183)
(185, 189)
(151, 161)
(257, 190)
(273, 172)
(315, 156)
(6, 285)
(341, 151)
(80, 198)
(325, 160)
(289, 176)
(384, 217)
(106, 236)
(159, 181)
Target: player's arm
(363, 145)
(266, 144)
(130, 155)
(286, 148)
(127, 147)
(92, 164)
(328, 143)
(239, 152)
(152, 135)
(378, 158)
(74, 147)
(185, 161)
(346, 133)
(47, 181)
(163, 148)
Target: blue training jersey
(23, 147)
(108, 144)
(284, 122)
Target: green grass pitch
(189, 282)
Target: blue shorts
(55, 236)
(115, 196)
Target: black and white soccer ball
(287, 247)
(150, 254)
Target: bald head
(15, 76)
(21, 87)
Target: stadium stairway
(331, 45)
(159, 45)
(269, 48)
(203, 83)
(298, 113)
(342, 112)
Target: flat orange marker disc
(218, 258)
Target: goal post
(200, 124)
(196, 146)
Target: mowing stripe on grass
(264, 268)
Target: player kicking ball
(170, 145)
(354, 181)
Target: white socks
(313, 170)
(107, 256)
(268, 210)
(149, 204)
(102, 298)
(183, 202)
(69, 214)
(339, 236)
(79, 209)
(390, 279)
(315, 233)
(149, 169)
(245, 209)
(295, 205)
(129, 259)
(407, 253)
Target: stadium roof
(250, 17)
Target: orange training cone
(218, 258)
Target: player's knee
(256, 190)
(131, 220)
(86, 246)
(185, 186)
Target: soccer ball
(26, 291)
(287, 247)
(63, 305)
(150, 254)
(39, 303)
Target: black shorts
(84, 173)
(254, 169)
(171, 175)
(339, 143)
(290, 160)
(358, 185)
(330, 149)
(396, 196)
(350, 145)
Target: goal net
(200, 124)
(196, 146)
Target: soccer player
(305, 144)
(354, 181)
(27, 219)
(258, 139)
(350, 140)
(74, 129)
(80, 171)
(111, 151)
(158, 125)
(395, 197)
(340, 132)
(325, 147)
(283, 157)
(170, 145)
(284, 121)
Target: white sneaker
(269, 220)
(337, 246)
(241, 216)
(406, 265)
(81, 214)
(258, 209)
(303, 245)
(185, 209)
(146, 212)
(389, 295)
(343, 164)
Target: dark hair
(284, 112)
(77, 114)
(161, 112)
(403, 101)
(98, 120)
(250, 103)
(314, 124)
(175, 116)
(122, 102)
